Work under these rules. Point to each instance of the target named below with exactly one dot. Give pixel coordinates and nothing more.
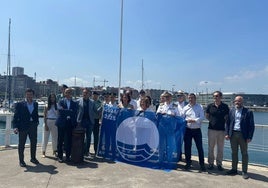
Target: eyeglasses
(215, 96)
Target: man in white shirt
(181, 97)
(168, 107)
(194, 115)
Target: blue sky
(185, 44)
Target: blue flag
(140, 137)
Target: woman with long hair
(125, 102)
(50, 116)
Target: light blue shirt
(238, 113)
(30, 107)
(68, 102)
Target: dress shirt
(238, 113)
(30, 107)
(194, 112)
(170, 109)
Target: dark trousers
(89, 127)
(96, 130)
(238, 140)
(195, 134)
(32, 133)
(64, 136)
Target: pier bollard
(8, 129)
(77, 153)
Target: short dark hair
(29, 90)
(64, 86)
(219, 92)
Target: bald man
(239, 130)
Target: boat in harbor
(41, 107)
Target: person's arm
(251, 126)
(45, 118)
(201, 116)
(227, 127)
(207, 113)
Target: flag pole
(120, 63)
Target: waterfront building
(44, 88)
(250, 100)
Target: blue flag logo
(140, 137)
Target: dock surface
(97, 172)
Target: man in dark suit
(65, 122)
(85, 117)
(239, 130)
(25, 124)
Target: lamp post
(206, 82)
(173, 88)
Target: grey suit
(85, 118)
(81, 111)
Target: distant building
(16, 71)
(44, 88)
(18, 85)
(228, 98)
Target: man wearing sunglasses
(217, 114)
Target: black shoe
(68, 159)
(60, 160)
(22, 164)
(34, 161)
(203, 168)
(220, 168)
(231, 172)
(187, 166)
(210, 167)
(245, 175)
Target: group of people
(62, 114)
(236, 125)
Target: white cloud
(75, 81)
(209, 83)
(247, 75)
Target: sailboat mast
(8, 85)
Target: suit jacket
(23, 118)
(66, 117)
(247, 125)
(80, 112)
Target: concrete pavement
(96, 172)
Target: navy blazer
(23, 118)
(80, 112)
(246, 123)
(64, 113)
